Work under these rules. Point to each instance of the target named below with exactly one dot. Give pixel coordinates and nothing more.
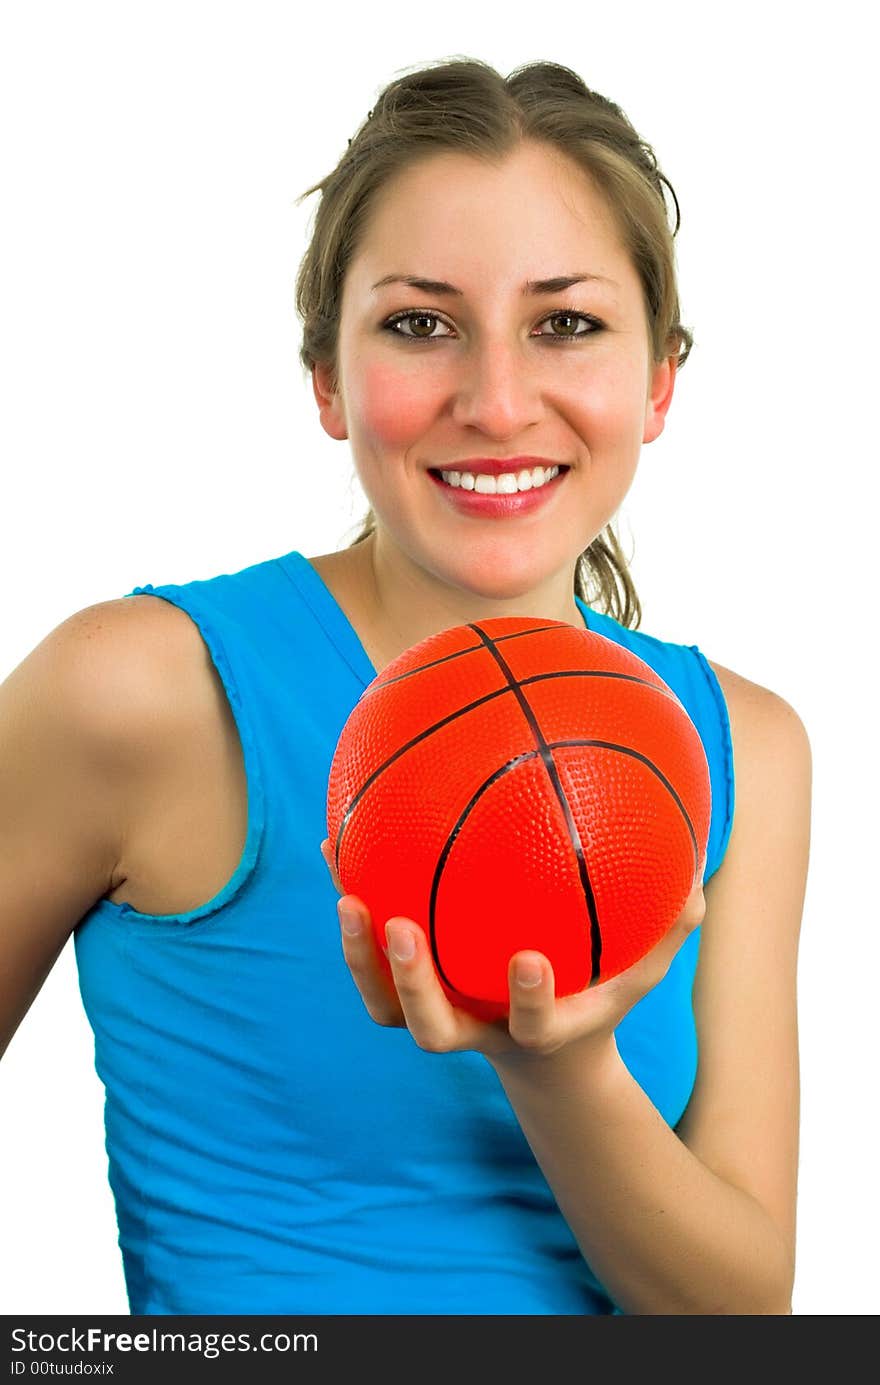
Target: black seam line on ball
(450, 842)
(505, 769)
(553, 774)
(376, 686)
(456, 654)
(469, 707)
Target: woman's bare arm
(72, 734)
(702, 1220)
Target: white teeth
(508, 483)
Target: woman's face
(486, 369)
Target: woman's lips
(498, 506)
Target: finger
(434, 1023)
(532, 1019)
(369, 968)
(327, 853)
(695, 908)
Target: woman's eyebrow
(562, 281)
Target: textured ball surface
(520, 783)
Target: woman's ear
(661, 386)
(329, 400)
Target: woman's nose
(498, 390)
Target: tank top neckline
(337, 623)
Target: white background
(157, 427)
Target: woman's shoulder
(126, 644)
(743, 696)
(173, 750)
(753, 708)
(771, 768)
(761, 750)
(143, 663)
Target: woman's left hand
(406, 992)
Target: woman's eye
(413, 317)
(416, 318)
(571, 318)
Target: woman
(490, 284)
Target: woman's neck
(394, 604)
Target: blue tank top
(271, 1148)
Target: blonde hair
(466, 106)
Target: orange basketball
(520, 783)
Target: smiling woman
(297, 1123)
(495, 366)
(532, 225)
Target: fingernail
(402, 943)
(528, 973)
(351, 923)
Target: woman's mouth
(498, 506)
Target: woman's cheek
(395, 408)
